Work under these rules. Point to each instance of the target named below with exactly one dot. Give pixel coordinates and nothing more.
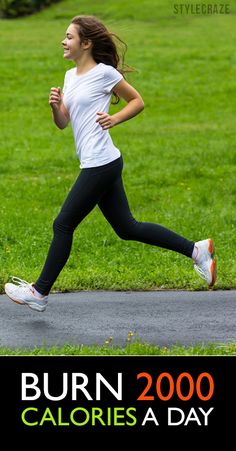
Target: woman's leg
(84, 195)
(114, 205)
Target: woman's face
(72, 44)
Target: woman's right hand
(55, 98)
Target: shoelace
(20, 282)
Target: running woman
(88, 88)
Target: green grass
(179, 153)
(135, 348)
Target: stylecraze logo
(79, 396)
(201, 8)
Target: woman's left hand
(105, 120)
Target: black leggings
(102, 185)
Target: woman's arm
(60, 114)
(134, 106)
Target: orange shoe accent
(213, 270)
(211, 246)
(15, 300)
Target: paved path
(158, 317)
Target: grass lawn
(179, 152)
(132, 348)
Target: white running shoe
(205, 263)
(22, 293)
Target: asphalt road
(158, 317)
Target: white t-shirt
(84, 96)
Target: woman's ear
(87, 44)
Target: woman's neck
(84, 65)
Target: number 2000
(176, 386)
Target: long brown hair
(107, 47)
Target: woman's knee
(127, 231)
(62, 224)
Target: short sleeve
(111, 78)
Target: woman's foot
(23, 293)
(204, 262)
